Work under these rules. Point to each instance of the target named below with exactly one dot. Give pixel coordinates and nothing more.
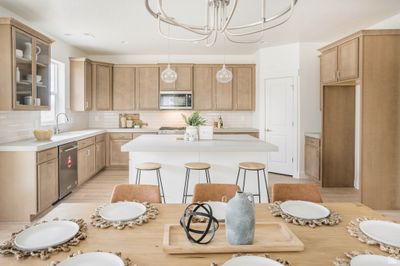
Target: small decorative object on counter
(220, 122)
(122, 121)
(129, 123)
(205, 231)
(192, 123)
(43, 134)
(240, 219)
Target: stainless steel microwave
(175, 100)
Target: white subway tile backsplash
(156, 119)
(16, 125)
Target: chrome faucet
(57, 129)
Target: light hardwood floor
(99, 189)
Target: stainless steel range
(171, 130)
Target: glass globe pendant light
(224, 75)
(169, 75)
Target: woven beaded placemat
(8, 248)
(99, 222)
(276, 211)
(127, 261)
(348, 256)
(283, 262)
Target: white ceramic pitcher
(28, 51)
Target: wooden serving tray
(269, 237)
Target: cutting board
(269, 237)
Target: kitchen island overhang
(223, 153)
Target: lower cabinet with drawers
(47, 178)
(91, 157)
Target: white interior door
(279, 124)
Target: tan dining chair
(306, 192)
(214, 192)
(142, 193)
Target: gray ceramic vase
(240, 219)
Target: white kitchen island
(223, 153)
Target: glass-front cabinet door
(23, 71)
(31, 72)
(42, 74)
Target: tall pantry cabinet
(360, 85)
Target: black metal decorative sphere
(200, 233)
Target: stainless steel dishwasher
(67, 168)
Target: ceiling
(125, 27)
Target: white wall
(19, 125)
(300, 61)
(389, 23)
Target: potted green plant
(192, 126)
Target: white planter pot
(191, 133)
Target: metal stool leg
(208, 179)
(258, 184)
(266, 185)
(244, 179)
(237, 177)
(184, 186)
(137, 176)
(160, 184)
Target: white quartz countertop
(66, 137)
(313, 135)
(220, 143)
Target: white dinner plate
(251, 260)
(122, 211)
(374, 260)
(46, 235)
(304, 209)
(93, 259)
(382, 231)
(218, 209)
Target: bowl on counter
(42, 135)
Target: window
(57, 93)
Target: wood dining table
(144, 244)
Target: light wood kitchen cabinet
(102, 86)
(348, 60)
(24, 79)
(147, 87)
(80, 84)
(312, 158)
(340, 63)
(47, 174)
(203, 87)
(116, 157)
(100, 155)
(184, 82)
(244, 88)
(86, 163)
(223, 92)
(123, 88)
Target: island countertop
(220, 143)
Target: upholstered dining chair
(306, 192)
(142, 193)
(214, 192)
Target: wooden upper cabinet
(102, 86)
(123, 88)
(244, 88)
(184, 81)
(80, 84)
(203, 88)
(147, 88)
(19, 75)
(329, 65)
(340, 63)
(223, 92)
(348, 60)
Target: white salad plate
(251, 260)
(218, 209)
(304, 209)
(373, 260)
(46, 235)
(122, 211)
(93, 259)
(382, 231)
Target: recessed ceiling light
(68, 34)
(124, 42)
